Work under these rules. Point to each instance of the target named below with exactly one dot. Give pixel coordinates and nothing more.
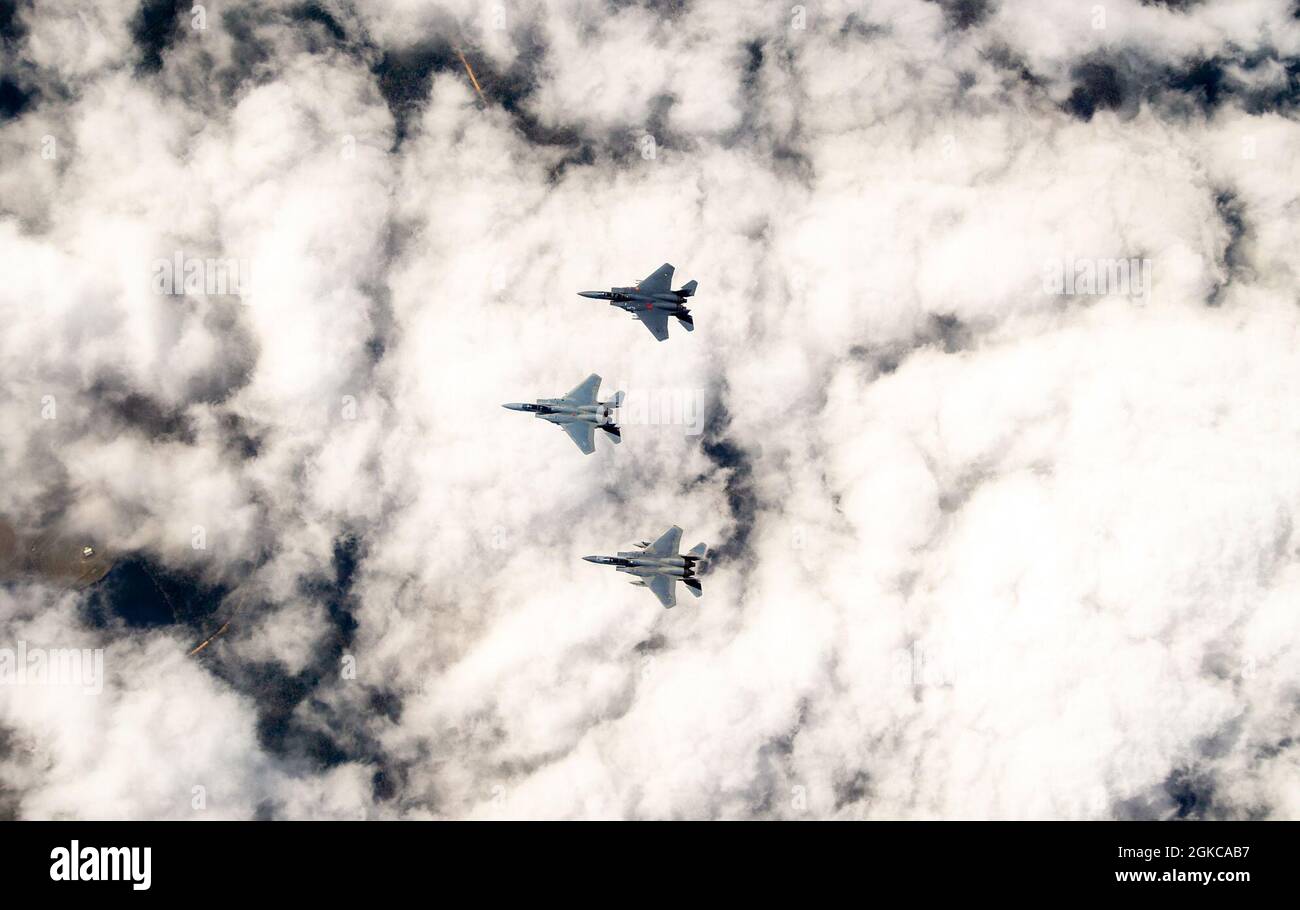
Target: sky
(989, 419)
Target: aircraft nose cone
(595, 559)
(593, 295)
(513, 406)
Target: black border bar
(529, 860)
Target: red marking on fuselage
(649, 306)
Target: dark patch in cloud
(650, 645)
(314, 12)
(387, 704)
(582, 156)
(950, 332)
(12, 27)
(512, 88)
(236, 437)
(858, 27)
(1283, 98)
(942, 329)
(1192, 794)
(140, 593)
(1202, 85)
(886, 363)
(852, 788)
(963, 14)
(623, 147)
(281, 728)
(10, 799)
(668, 9)
(661, 107)
(1203, 81)
(379, 300)
(1197, 86)
(140, 412)
(405, 74)
(155, 27)
(742, 499)
(14, 99)
(249, 49)
(1185, 793)
(253, 48)
(753, 62)
(957, 494)
(1098, 85)
(774, 765)
(337, 593)
(1231, 212)
(755, 129)
(382, 786)
(294, 720)
(1272, 750)
(233, 369)
(1004, 58)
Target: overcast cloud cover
(979, 550)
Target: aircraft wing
(586, 391)
(659, 281)
(667, 543)
(656, 321)
(584, 434)
(665, 588)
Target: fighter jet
(658, 565)
(579, 413)
(651, 301)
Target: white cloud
(984, 551)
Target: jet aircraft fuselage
(652, 300)
(578, 413)
(658, 565)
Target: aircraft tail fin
(687, 321)
(615, 402)
(688, 289)
(615, 434)
(693, 585)
(698, 550)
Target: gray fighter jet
(579, 413)
(658, 565)
(651, 301)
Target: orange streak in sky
(470, 71)
(208, 641)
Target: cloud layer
(980, 549)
